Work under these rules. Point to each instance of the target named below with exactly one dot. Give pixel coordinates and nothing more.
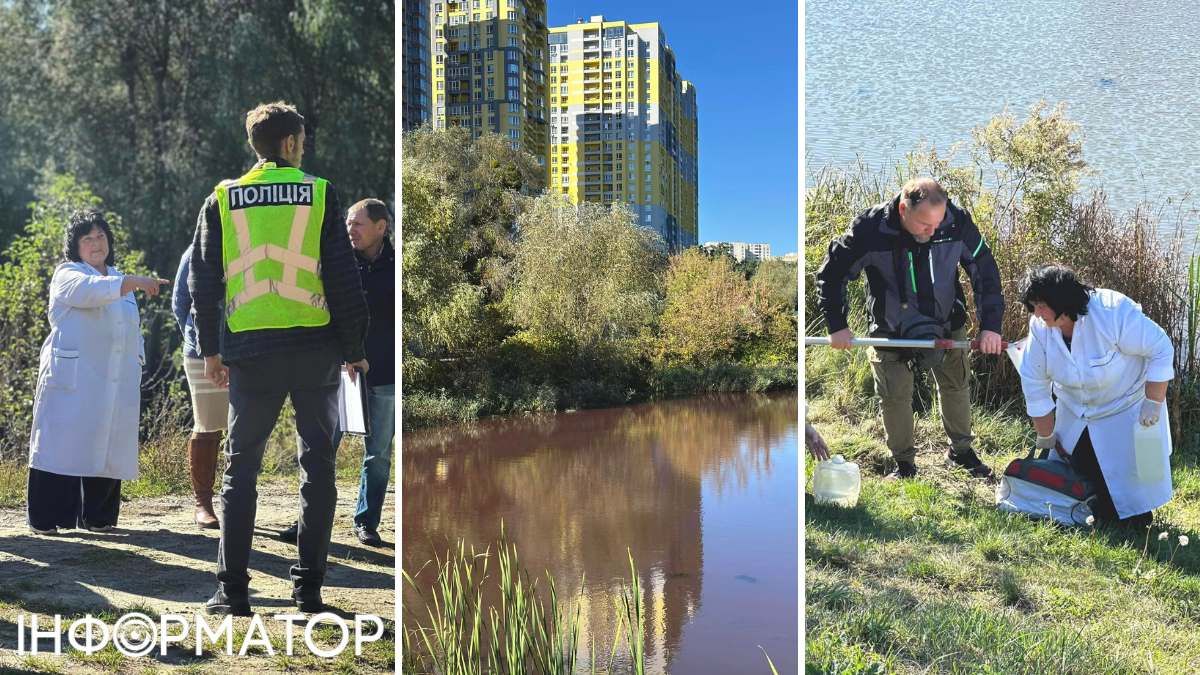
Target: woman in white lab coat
(1108, 366)
(85, 412)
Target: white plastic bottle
(1148, 454)
(837, 481)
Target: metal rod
(900, 343)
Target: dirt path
(158, 562)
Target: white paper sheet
(352, 416)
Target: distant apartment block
(488, 72)
(415, 51)
(623, 124)
(740, 250)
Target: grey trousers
(257, 389)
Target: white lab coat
(85, 412)
(1100, 385)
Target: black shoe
(235, 605)
(968, 460)
(367, 536)
(903, 470)
(290, 534)
(308, 598)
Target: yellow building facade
(623, 124)
(488, 69)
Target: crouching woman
(1108, 366)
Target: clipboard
(353, 411)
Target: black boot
(903, 470)
(308, 598)
(291, 533)
(968, 460)
(234, 603)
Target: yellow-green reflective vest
(271, 243)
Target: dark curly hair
(80, 224)
(1059, 288)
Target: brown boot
(202, 454)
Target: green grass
(927, 576)
(451, 630)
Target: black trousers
(1084, 461)
(257, 389)
(55, 500)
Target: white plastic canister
(837, 481)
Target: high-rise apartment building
(488, 71)
(623, 124)
(415, 50)
(740, 250)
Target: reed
(525, 631)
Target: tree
(708, 309)
(588, 278)
(776, 293)
(462, 199)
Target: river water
(701, 491)
(882, 76)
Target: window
(514, 133)
(512, 42)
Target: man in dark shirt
(275, 358)
(368, 223)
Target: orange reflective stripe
(296, 241)
(243, 235)
(288, 291)
(290, 259)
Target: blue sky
(742, 58)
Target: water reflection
(698, 490)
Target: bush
(708, 311)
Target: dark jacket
(901, 272)
(378, 278)
(339, 274)
(181, 306)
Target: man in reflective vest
(270, 247)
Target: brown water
(701, 491)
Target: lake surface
(701, 491)
(881, 77)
